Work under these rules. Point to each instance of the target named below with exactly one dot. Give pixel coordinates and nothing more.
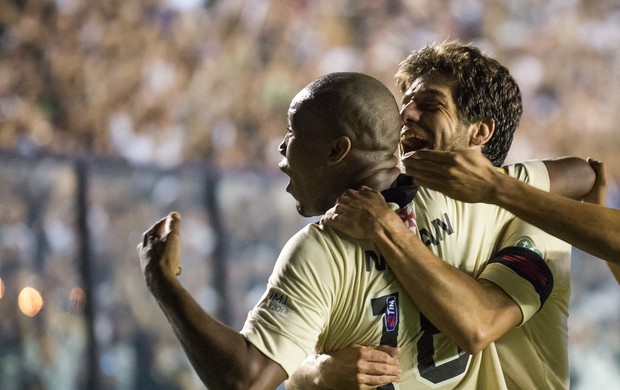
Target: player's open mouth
(411, 143)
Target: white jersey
(328, 291)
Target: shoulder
(315, 249)
(314, 237)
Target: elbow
(228, 381)
(225, 383)
(475, 340)
(233, 384)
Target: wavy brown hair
(481, 87)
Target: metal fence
(69, 227)
(68, 230)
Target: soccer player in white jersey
(516, 286)
(327, 290)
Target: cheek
(457, 138)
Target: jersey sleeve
(292, 313)
(527, 259)
(533, 172)
(527, 265)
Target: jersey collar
(402, 192)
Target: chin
(306, 212)
(302, 211)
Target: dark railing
(69, 227)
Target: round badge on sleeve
(527, 243)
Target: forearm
(591, 228)
(471, 312)
(221, 357)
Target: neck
(382, 180)
(378, 175)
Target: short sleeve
(523, 275)
(292, 313)
(533, 172)
(528, 265)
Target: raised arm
(222, 357)
(598, 196)
(470, 177)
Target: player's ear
(340, 148)
(481, 132)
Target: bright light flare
(30, 301)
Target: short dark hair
(360, 107)
(481, 87)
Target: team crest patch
(407, 214)
(528, 243)
(391, 313)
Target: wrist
(502, 190)
(322, 364)
(377, 228)
(387, 227)
(160, 285)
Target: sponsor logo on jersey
(276, 297)
(391, 313)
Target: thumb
(598, 193)
(173, 238)
(599, 169)
(173, 222)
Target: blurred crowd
(162, 84)
(167, 81)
